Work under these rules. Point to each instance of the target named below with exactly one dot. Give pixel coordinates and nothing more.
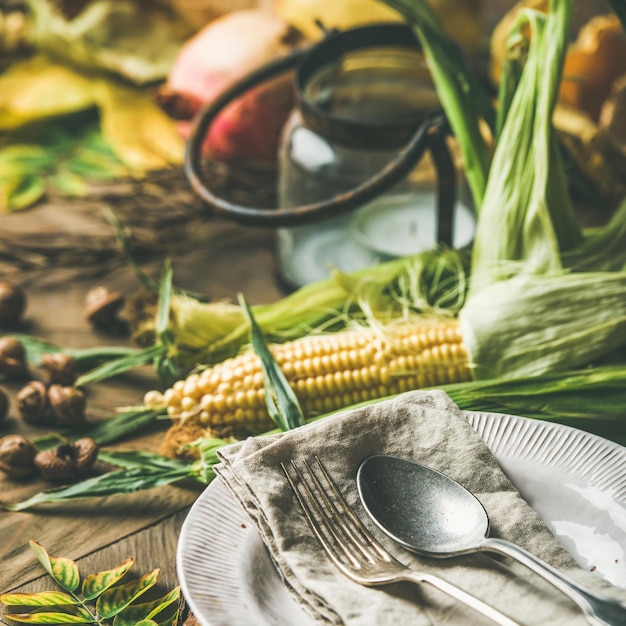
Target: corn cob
(327, 372)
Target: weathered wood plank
(153, 547)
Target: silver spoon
(429, 513)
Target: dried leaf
(42, 598)
(64, 571)
(137, 42)
(116, 599)
(95, 584)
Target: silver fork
(354, 550)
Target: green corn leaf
(163, 310)
(116, 599)
(64, 571)
(52, 618)
(119, 366)
(104, 431)
(146, 622)
(282, 403)
(95, 584)
(142, 460)
(42, 598)
(110, 484)
(84, 357)
(122, 242)
(462, 97)
(134, 613)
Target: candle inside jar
(406, 224)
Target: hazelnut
(12, 358)
(68, 404)
(61, 368)
(102, 307)
(12, 302)
(68, 461)
(32, 403)
(17, 456)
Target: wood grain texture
(152, 547)
(226, 260)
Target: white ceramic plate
(574, 480)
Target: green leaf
(104, 431)
(53, 617)
(165, 296)
(121, 365)
(116, 599)
(282, 403)
(109, 484)
(134, 613)
(63, 571)
(142, 460)
(146, 622)
(36, 348)
(463, 98)
(97, 583)
(42, 598)
(122, 242)
(69, 183)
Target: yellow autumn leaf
(137, 130)
(461, 19)
(303, 14)
(38, 88)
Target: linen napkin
(429, 428)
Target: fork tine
(324, 532)
(360, 529)
(336, 518)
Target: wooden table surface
(219, 260)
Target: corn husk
(531, 325)
(527, 219)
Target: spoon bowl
(429, 513)
(434, 515)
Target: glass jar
(359, 105)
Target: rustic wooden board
(220, 259)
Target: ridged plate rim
(217, 525)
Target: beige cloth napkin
(427, 427)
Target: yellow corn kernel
(327, 373)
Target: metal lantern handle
(429, 135)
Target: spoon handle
(462, 596)
(598, 611)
